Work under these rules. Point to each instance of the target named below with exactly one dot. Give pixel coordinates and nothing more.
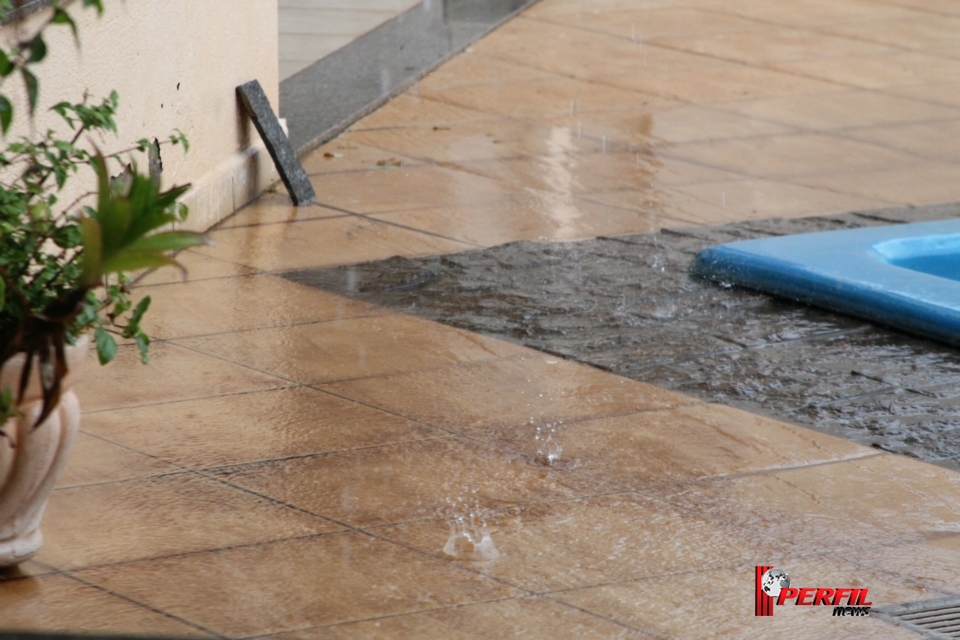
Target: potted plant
(65, 276)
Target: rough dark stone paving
(288, 165)
(629, 305)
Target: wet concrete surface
(630, 305)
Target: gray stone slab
(284, 157)
(325, 98)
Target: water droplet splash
(470, 540)
(548, 447)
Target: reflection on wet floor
(297, 464)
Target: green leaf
(139, 310)
(68, 237)
(97, 4)
(38, 50)
(169, 241)
(33, 88)
(92, 251)
(6, 113)
(6, 67)
(143, 342)
(131, 261)
(62, 17)
(106, 345)
(3, 293)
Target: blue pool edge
(825, 285)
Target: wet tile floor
(295, 464)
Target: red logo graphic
(774, 585)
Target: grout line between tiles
(333, 625)
(184, 621)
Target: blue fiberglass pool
(905, 276)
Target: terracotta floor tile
(547, 98)
(835, 507)
(665, 207)
(319, 243)
(929, 140)
(934, 7)
(758, 199)
(173, 374)
(525, 33)
(557, 8)
(544, 217)
(579, 174)
(920, 32)
(598, 58)
(815, 13)
(839, 109)
(352, 348)
(645, 23)
(514, 618)
(414, 480)
(531, 390)
(918, 183)
(676, 445)
(680, 607)
(789, 155)
(875, 71)
(96, 460)
(199, 267)
(399, 188)
(251, 427)
(151, 517)
(568, 174)
(273, 208)
(679, 123)
(239, 304)
(409, 109)
(930, 561)
(946, 93)
(705, 80)
(592, 541)
(764, 45)
(323, 580)
(472, 68)
(494, 139)
(668, 172)
(348, 153)
(58, 603)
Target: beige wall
(175, 64)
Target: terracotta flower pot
(31, 459)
